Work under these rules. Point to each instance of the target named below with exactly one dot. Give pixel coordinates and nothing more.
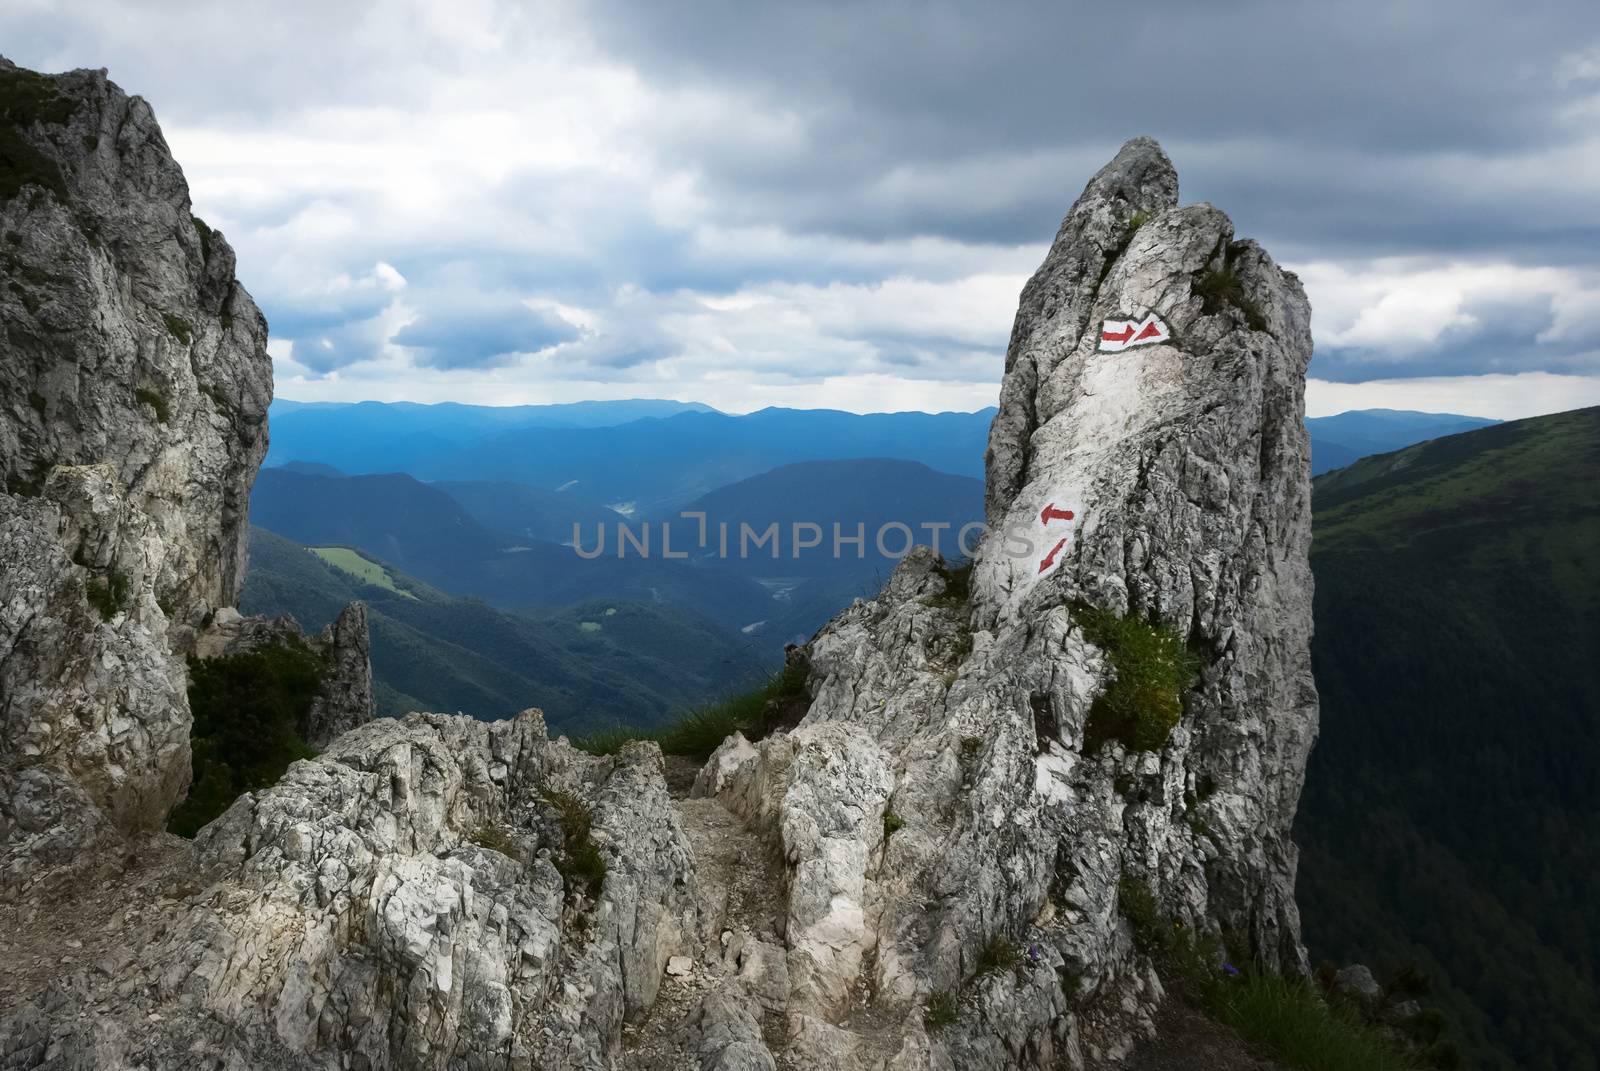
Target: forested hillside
(589, 666)
(1451, 817)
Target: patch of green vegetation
(27, 98)
(941, 1010)
(495, 839)
(580, 862)
(223, 403)
(1467, 681)
(892, 824)
(998, 955)
(1154, 670)
(1221, 288)
(361, 567)
(108, 593)
(155, 400)
(206, 234)
(178, 328)
(957, 586)
(1135, 221)
(1285, 1017)
(701, 731)
(249, 710)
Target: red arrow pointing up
(1108, 336)
(1150, 331)
(1050, 559)
(1050, 513)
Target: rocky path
(734, 984)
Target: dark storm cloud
(899, 106)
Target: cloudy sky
(837, 204)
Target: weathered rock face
(399, 902)
(134, 385)
(1167, 480)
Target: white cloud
(1503, 397)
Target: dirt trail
(742, 900)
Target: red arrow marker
(1050, 559)
(1150, 331)
(1050, 513)
(1127, 333)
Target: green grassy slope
(436, 652)
(1452, 811)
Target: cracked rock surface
(1166, 481)
(134, 384)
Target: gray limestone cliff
(134, 388)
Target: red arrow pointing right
(1127, 333)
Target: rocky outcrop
(954, 825)
(344, 698)
(409, 899)
(134, 388)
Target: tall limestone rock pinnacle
(970, 782)
(134, 385)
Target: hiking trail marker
(1119, 335)
(1056, 520)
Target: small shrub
(109, 593)
(892, 824)
(941, 1010)
(1135, 221)
(1154, 670)
(580, 862)
(178, 327)
(1137, 904)
(998, 955)
(249, 712)
(155, 401)
(957, 586)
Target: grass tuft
(1221, 288)
(998, 955)
(1154, 670)
(495, 839)
(580, 862)
(941, 1010)
(1285, 1017)
(178, 327)
(892, 824)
